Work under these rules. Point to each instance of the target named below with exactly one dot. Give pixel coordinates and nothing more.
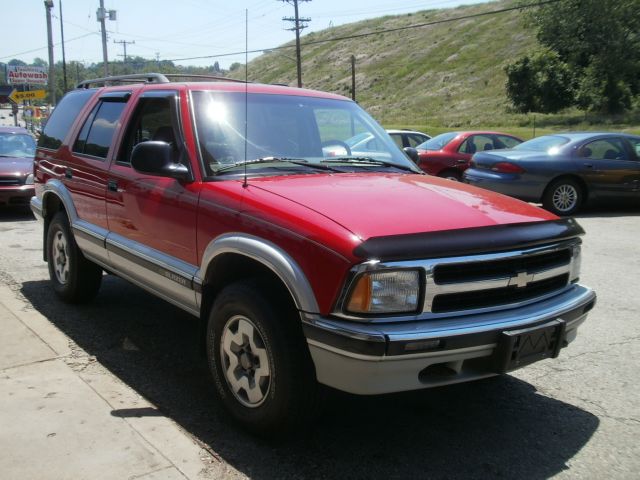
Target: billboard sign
(17, 75)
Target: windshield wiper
(368, 161)
(294, 161)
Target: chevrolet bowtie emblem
(521, 280)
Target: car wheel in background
(563, 197)
(450, 175)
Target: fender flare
(269, 255)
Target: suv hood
(16, 166)
(373, 204)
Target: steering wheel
(340, 143)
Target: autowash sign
(17, 75)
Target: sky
(179, 30)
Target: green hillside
(444, 76)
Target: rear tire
(260, 364)
(450, 175)
(563, 197)
(74, 278)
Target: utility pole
(64, 59)
(48, 5)
(101, 16)
(353, 78)
(124, 44)
(299, 25)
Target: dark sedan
(17, 150)
(563, 171)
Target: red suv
(448, 155)
(304, 267)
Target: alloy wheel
(245, 361)
(60, 253)
(565, 197)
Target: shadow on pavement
(495, 428)
(15, 214)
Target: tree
(540, 82)
(598, 42)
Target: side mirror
(157, 158)
(412, 153)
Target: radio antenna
(246, 93)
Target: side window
(415, 140)
(635, 145)
(397, 138)
(97, 132)
(476, 143)
(502, 141)
(150, 121)
(63, 117)
(605, 149)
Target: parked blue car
(562, 171)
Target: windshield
(17, 145)
(542, 144)
(289, 134)
(438, 142)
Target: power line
(376, 32)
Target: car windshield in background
(438, 142)
(289, 134)
(543, 144)
(17, 145)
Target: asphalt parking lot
(576, 417)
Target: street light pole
(48, 5)
(101, 17)
(64, 59)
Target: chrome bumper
(374, 358)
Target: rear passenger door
(85, 175)
(152, 219)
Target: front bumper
(16, 195)
(374, 358)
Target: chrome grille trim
(433, 289)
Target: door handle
(68, 173)
(112, 185)
(588, 165)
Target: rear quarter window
(63, 117)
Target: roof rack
(136, 77)
(151, 78)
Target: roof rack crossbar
(203, 77)
(136, 77)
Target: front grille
(473, 271)
(10, 181)
(497, 280)
(497, 296)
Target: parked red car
(17, 149)
(448, 155)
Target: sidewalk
(64, 416)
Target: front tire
(259, 361)
(563, 197)
(74, 278)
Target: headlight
(29, 180)
(395, 291)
